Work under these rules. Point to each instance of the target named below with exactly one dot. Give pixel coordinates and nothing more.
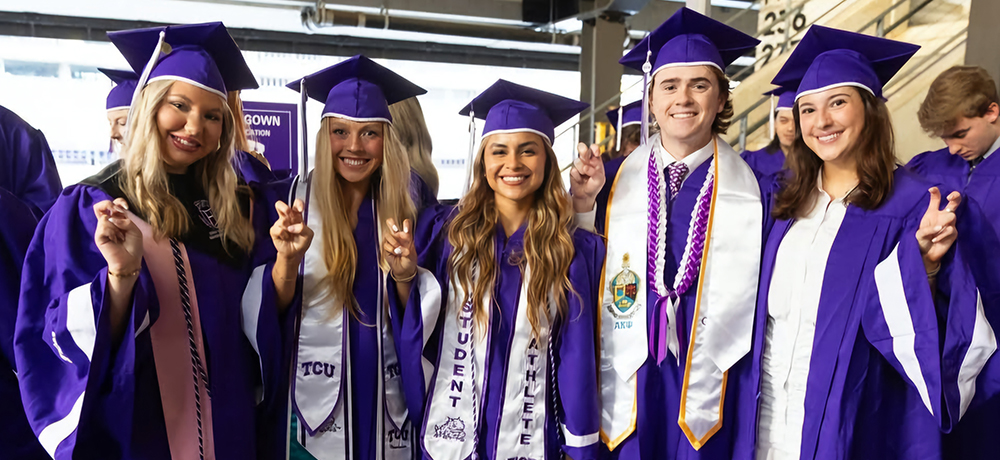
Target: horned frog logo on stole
(624, 289)
(453, 430)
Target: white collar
(692, 161)
(993, 148)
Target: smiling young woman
(346, 391)
(857, 267)
(516, 324)
(146, 263)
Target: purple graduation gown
(364, 338)
(250, 169)
(16, 438)
(862, 398)
(975, 436)
(62, 359)
(657, 434)
(27, 168)
(763, 162)
(574, 350)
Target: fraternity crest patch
(624, 288)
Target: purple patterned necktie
(675, 175)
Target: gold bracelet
(125, 275)
(393, 275)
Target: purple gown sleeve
(77, 386)
(940, 343)
(576, 372)
(271, 333)
(414, 326)
(29, 170)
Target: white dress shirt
(793, 303)
(585, 220)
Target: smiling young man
(962, 108)
(683, 219)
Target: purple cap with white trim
(828, 58)
(203, 55)
(687, 39)
(120, 97)
(358, 89)
(509, 107)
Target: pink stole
(171, 350)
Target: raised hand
(400, 253)
(586, 178)
(118, 239)
(937, 230)
(290, 235)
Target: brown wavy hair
(548, 243)
(724, 118)
(875, 153)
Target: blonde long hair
(145, 184)
(408, 121)
(548, 243)
(391, 182)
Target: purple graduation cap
(509, 108)
(827, 58)
(628, 114)
(687, 38)
(357, 89)
(786, 98)
(203, 55)
(120, 97)
(785, 101)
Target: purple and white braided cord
(655, 236)
(697, 233)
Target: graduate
(961, 108)
(30, 170)
(347, 399)
(16, 438)
(505, 361)
(627, 121)
(771, 158)
(250, 164)
(129, 341)
(857, 270)
(409, 123)
(677, 377)
(119, 100)
(29, 183)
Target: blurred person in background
(408, 121)
(771, 158)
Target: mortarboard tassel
(618, 129)
(145, 75)
(472, 151)
(646, 68)
(770, 118)
(303, 163)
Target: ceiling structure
(542, 34)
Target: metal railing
(785, 19)
(746, 128)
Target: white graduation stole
(722, 327)
(322, 391)
(455, 403)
